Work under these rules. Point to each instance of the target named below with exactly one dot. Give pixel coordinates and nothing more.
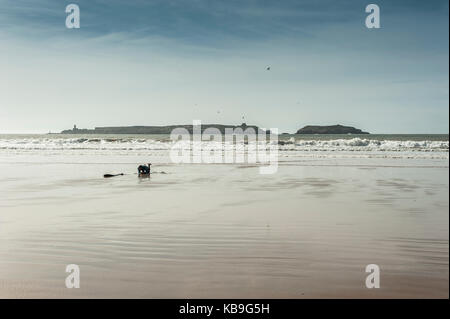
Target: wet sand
(224, 231)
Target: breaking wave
(354, 144)
(358, 144)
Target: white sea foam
(358, 144)
(288, 148)
(142, 143)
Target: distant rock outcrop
(331, 129)
(158, 129)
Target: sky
(160, 62)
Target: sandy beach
(222, 230)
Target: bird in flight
(268, 68)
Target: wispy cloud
(165, 56)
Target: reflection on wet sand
(220, 231)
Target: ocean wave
(354, 144)
(368, 144)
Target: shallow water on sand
(223, 230)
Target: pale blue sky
(169, 62)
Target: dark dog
(144, 170)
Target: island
(331, 129)
(157, 129)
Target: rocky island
(155, 129)
(331, 129)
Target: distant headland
(331, 129)
(156, 129)
(167, 129)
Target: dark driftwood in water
(112, 175)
